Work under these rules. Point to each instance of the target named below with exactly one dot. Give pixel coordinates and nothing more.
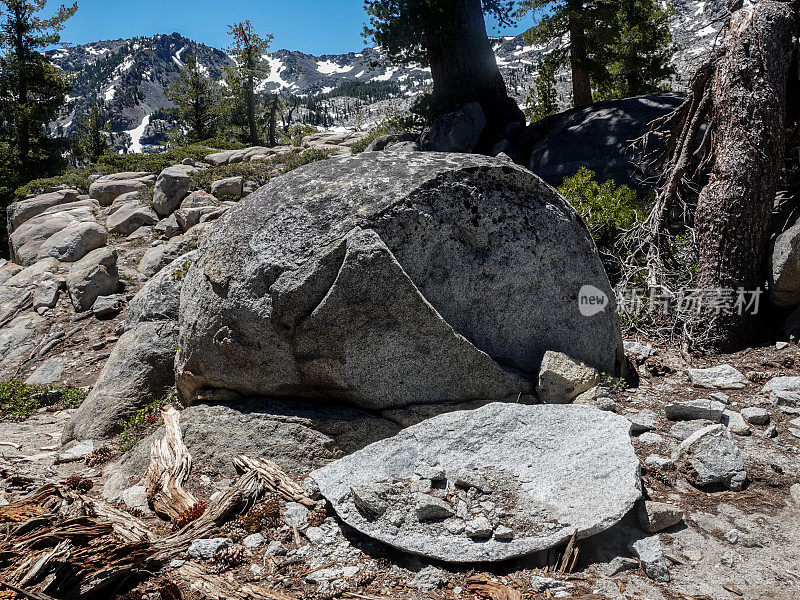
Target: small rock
(651, 554)
(639, 350)
(562, 379)
(756, 416)
(455, 526)
(720, 377)
(429, 579)
(657, 516)
(311, 488)
(229, 187)
(296, 514)
(370, 498)
(660, 462)
(253, 541)
(176, 563)
(619, 565)
(785, 399)
(709, 456)
(275, 548)
(794, 493)
(735, 423)
(771, 432)
(720, 397)
(651, 438)
(434, 473)
(106, 306)
(782, 384)
(540, 584)
(429, 508)
(315, 535)
(77, 452)
(332, 573)
(683, 429)
(135, 498)
(781, 345)
(606, 404)
(208, 547)
(730, 559)
(642, 422)
(479, 528)
(691, 410)
(502, 532)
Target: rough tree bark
(748, 120)
(581, 82)
(463, 65)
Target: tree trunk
(251, 110)
(581, 82)
(23, 126)
(748, 119)
(463, 64)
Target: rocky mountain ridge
(131, 75)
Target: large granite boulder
(383, 282)
(28, 238)
(160, 298)
(74, 241)
(784, 268)
(491, 484)
(19, 212)
(94, 275)
(597, 137)
(108, 188)
(172, 186)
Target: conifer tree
(93, 132)
(543, 97)
(194, 94)
(32, 89)
(248, 49)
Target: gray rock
(297, 436)
(735, 423)
(501, 532)
(155, 259)
(8, 270)
(562, 379)
(429, 579)
(430, 508)
(556, 586)
(130, 217)
(638, 349)
(525, 452)
(206, 548)
(168, 227)
(172, 186)
(785, 399)
(106, 306)
(135, 497)
(138, 372)
(109, 187)
(755, 415)
(457, 130)
(27, 239)
(50, 371)
(605, 403)
(369, 498)
(794, 493)
(642, 422)
(771, 432)
(144, 232)
(620, 564)
(478, 528)
(19, 212)
(782, 384)
(658, 516)
(651, 438)
(366, 289)
(296, 515)
(254, 540)
(597, 137)
(123, 200)
(93, 276)
(709, 456)
(721, 377)
(275, 548)
(74, 242)
(230, 187)
(683, 429)
(159, 299)
(692, 410)
(380, 143)
(784, 268)
(720, 397)
(200, 199)
(189, 217)
(77, 451)
(651, 554)
(46, 295)
(660, 462)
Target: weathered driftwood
(274, 478)
(170, 467)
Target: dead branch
(275, 479)
(170, 467)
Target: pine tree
(194, 94)
(32, 89)
(450, 37)
(620, 48)
(93, 132)
(637, 58)
(248, 49)
(542, 100)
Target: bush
(18, 400)
(138, 425)
(607, 209)
(391, 125)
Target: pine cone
(229, 558)
(191, 514)
(317, 516)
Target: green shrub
(18, 400)
(74, 178)
(223, 143)
(607, 209)
(135, 427)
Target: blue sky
(312, 26)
